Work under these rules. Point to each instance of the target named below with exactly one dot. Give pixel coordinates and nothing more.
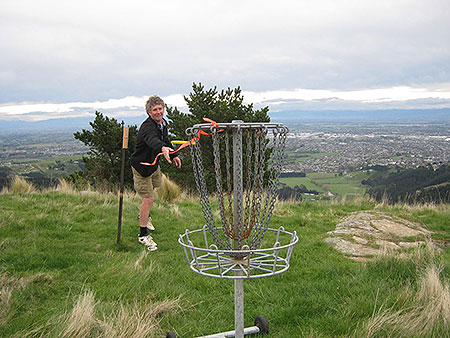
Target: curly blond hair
(153, 101)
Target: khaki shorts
(144, 186)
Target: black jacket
(149, 141)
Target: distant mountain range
(68, 124)
(395, 116)
(331, 116)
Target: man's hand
(165, 151)
(177, 162)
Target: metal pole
(239, 308)
(122, 174)
(237, 228)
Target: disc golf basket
(236, 241)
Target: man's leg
(145, 210)
(143, 186)
(156, 179)
(143, 236)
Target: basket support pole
(239, 308)
(237, 228)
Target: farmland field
(306, 181)
(346, 185)
(304, 156)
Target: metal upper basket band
(234, 124)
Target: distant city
(310, 148)
(347, 147)
(23, 149)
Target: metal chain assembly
(247, 170)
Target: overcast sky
(68, 58)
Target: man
(152, 139)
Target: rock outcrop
(368, 234)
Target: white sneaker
(148, 242)
(150, 225)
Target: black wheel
(262, 324)
(171, 334)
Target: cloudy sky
(63, 58)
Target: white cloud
(127, 106)
(303, 99)
(131, 102)
(364, 96)
(81, 51)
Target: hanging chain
(247, 217)
(251, 184)
(260, 156)
(279, 143)
(229, 186)
(218, 172)
(200, 182)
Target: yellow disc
(180, 142)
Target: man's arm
(177, 162)
(165, 151)
(151, 138)
(153, 141)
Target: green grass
(347, 185)
(293, 181)
(63, 244)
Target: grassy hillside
(62, 274)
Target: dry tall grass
(175, 209)
(131, 195)
(357, 200)
(128, 321)
(139, 262)
(137, 320)
(418, 206)
(434, 294)
(282, 208)
(65, 186)
(7, 286)
(169, 190)
(19, 185)
(81, 321)
(426, 312)
(5, 299)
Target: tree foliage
(419, 185)
(103, 161)
(104, 158)
(286, 192)
(222, 107)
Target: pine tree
(222, 107)
(103, 160)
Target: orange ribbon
(196, 138)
